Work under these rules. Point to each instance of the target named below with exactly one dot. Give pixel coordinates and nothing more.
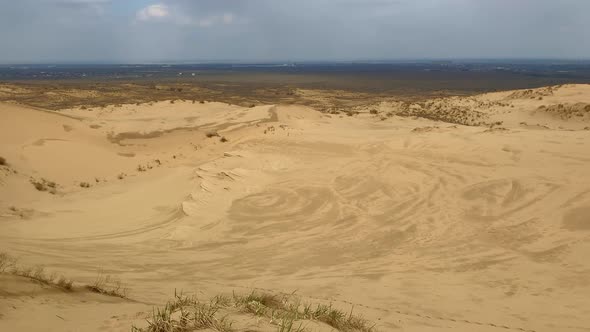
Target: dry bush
(84, 184)
(108, 285)
(210, 134)
(223, 139)
(44, 185)
(6, 262)
(65, 283)
(2, 161)
(38, 274)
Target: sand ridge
(457, 214)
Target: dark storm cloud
(143, 30)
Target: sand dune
(454, 214)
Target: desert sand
(454, 214)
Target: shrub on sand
(188, 314)
(108, 285)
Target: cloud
(153, 12)
(258, 30)
(176, 14)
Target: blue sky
(281, 30)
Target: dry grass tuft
(210, 134)
(44, 185)
(186, 314)
(287, 313)
(38, 274)
(108, 285)
(65, 283)
(7, 262)
(286, 309)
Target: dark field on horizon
(319, 85)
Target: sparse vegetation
(289, 308)
(84, 184)
(38, 274)
(2, 161)
(44, 185)
(210, 134)
(6, 262)
(223, 139)
(285, 311)
(65, 283)
(186, 314)
(108, 285)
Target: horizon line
(293, 61)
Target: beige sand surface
(422, 225)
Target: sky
(144, 31)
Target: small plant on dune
(210, 134)
(186, 314)
(108, 285)
(339, 320)
(6, 262)
(38, 274)
(284, 308)
(2, 161)
(223, 139)
(288, 325)
(44, 185)
(84, 184)
(65, 283)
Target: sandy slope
(422, 225)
